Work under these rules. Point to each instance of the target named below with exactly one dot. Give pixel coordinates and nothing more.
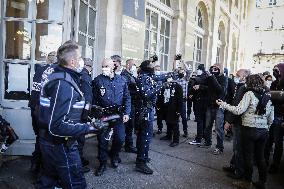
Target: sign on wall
(133, 30)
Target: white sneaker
(194, 142)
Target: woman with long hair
(257, 116)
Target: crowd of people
(65, 99)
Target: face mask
(215, 71)
(157, 72)
(133, 71)
(169, 80)
(237, 80)
(199, 72)
(268, 83)
(106, 72)
(80, 66)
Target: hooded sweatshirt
(278, 85)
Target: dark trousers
(237, 161)
(183, 116)
(129, 127)
(117, 142)
(173, 131)
(81, 142)
(36, 155)
(278, 140)
(189, 106)
(253, 146)
(160, 117)
(144, 137)
(216, 114)
(200, 117)
(61, 166)
(269, 142)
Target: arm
(215, 85)
(147, 89)
(241, 107)
(61, 99)
(269, 113)
(126, 100)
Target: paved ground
(184, 166)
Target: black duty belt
(66, 141)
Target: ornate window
(86, 27)
(157, 35)
(30, 29)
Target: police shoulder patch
(102, 90)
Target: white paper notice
(18, 77)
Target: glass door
(30, 29)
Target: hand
(219, 102)
(196, 87)
(227, 126)
(282, 125)
(125, 118)
(98, 125)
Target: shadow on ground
(184, 166)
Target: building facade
(204, 31)
(266, 47)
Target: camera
(178, 57)
(154, 58)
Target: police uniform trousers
(36, 155)
(129, 127)
(144, 137)
(117, 142)
(61, 166)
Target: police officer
(34, 105)
(130, 74)
(86, 87)
(111, 90)
(61, 105)
(148, 90)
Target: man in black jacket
(199, 95)
(217, 85)
(276, 131)
(236, 169)
(171, 102)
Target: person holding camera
(111, 89)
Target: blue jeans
(183, 116)
(117, 142)
(144, 137)
(216, 114)
(61, 166)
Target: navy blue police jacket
(36, 87)
(131, 82)
(148, 89)
(86, 85)
(111, 92)
(62, 103)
